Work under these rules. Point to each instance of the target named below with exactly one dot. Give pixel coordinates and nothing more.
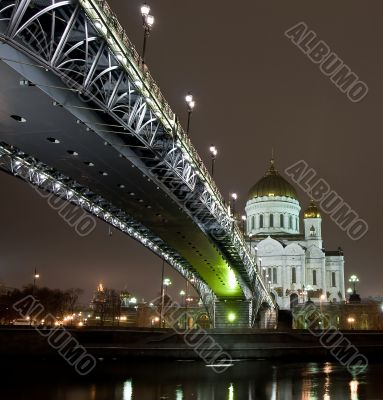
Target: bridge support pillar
(232, 314)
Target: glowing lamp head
(188, 98)
(213, 150)
(182, 293)
(323, 297)
(353, 278)
(243, 217)
(145, 10)
(191, 104)
(167, 282)
(234, 196)
(349, 290)
(150, 20)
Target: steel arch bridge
(90, 125)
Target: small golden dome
(272, 184)
(312, 211)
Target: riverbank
(166, 344)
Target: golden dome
(272, 184)
(312, 211)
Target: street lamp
(234, 198)
(213, 153)
(349, 290)
(353, 280)
(243, 218)
(351, 321)
(191, 104)
(182, 294)
(147, 21)
(165, 283)
(35, 277)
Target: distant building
(294, 262)
(112, 308)
(365, 315)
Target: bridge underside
(78, 106)
(124, 185)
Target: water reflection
(193, 381)
(354, 389)
(128, 390)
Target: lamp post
(165, 283)
(35, 277)
(354, 280)
(190, 107)
(182, 295)
(321, 299)
(147, 21)
(213, 153)
(243, 218)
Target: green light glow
(231, 317)
(232, 281)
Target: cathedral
(293, 260)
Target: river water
(245, 380)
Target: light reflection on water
(193, 381)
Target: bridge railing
(100, 12)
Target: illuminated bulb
(150, 20)
(145, 10)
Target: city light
(167, 282)
(213, 150)
(234, 196)
(190, 106)
(145, 10)
(188, 98)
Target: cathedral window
(333, 279)
(312, 231)
(290, 222)
(253, 222)
(281, 221)
(314, 277)
(293, 275)
(271, 220)
(261, 221)
(269, 274)
(275, 280)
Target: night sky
(254, 90)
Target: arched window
(271, 220)
(275, 275)
(269, 274)
(290, 222)
(296, 224)
(253, 222)
(293, 275)
(314, 277)
(281, 221)
(333, 279)
(261, 221)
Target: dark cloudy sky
(254, 91)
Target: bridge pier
(232, 314)
(238, 314)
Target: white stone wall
(272, 254)
(263, 207)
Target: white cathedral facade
(293, 260)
